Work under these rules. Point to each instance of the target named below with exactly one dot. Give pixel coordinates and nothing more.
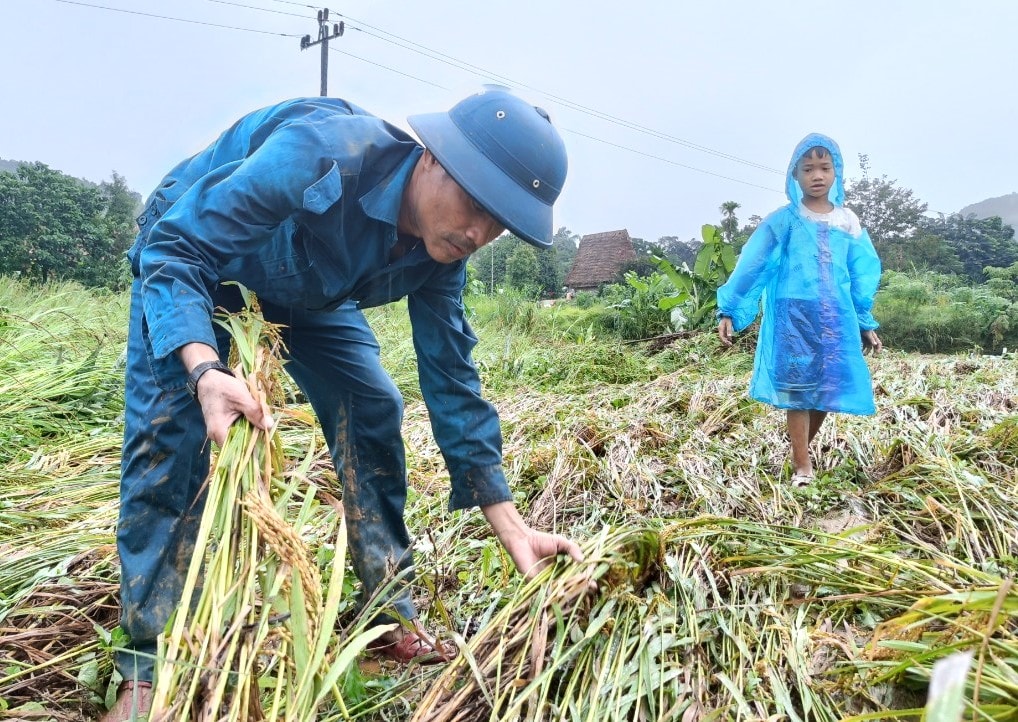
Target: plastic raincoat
(817, 280)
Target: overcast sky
(667, 108)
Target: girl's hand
(725, 330)
(871, 342)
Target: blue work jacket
(299, 202)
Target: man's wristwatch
(199, 371)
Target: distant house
(599, 260)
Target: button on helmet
(506, 155)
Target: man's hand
(530, 550)
(223, 398)
(725, 330)
(871, 342)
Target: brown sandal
(134, 700)
(415, 646)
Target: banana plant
(696, 295)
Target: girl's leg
(816, 420)
(799, 428)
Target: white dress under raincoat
(817, 275)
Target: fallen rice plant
(826, 603)
(714, 618)
(54, 663)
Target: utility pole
(323, 39)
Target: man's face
(815, 175)
(451, 223)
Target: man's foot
(134, 700)
(412, 645)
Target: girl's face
(815, 175)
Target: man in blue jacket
(323, 210)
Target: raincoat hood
(837, 192)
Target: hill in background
(11, 166)
(1004, 206)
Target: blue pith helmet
(505, 153)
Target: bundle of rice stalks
(511, 669)
(253, 639)
(715, 618)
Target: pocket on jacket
(324, 192)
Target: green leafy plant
(634, 310)
(697, 287)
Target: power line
(490, 75)
(179, 20)
(301, 5)
(461, 65)
(253, 7)
(434, 54)
(576, 132)
(441, 57)
(408, 44)
(671, 162)
(390, 69)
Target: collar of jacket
(383, 201)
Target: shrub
(634, 311)
(932, 313)
(586, 299)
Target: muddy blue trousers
(334, 358)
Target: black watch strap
(198, 371)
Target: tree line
(950, 282)
(55, 227)
(907, 239)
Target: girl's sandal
(801, 480)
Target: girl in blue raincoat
(817, 271)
